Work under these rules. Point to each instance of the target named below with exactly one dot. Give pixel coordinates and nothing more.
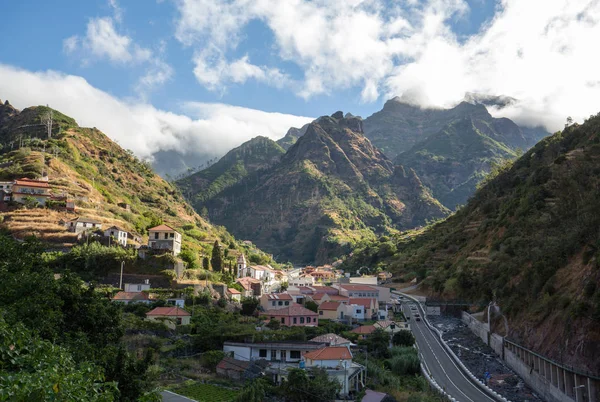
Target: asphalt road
(437, 361)
(168, 396)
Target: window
(314, 319)
(155, 236)
(179, 321)
(320, 312)
(295, 320)
(84, 224)
(283, 355)
(273, 354)
(273, 302)
(280, 303)
(166, 236)
(172, 235)
(358, 311)
(283, 320)
(262, 353)
(294, 354)
(301, 320)
(287, 303)
(139, 288)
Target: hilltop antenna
(47, 121)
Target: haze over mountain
(331, 189)
(529, 240)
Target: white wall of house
(119, 235)
(136, 287)
(158, 237)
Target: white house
(120, 235)
(171, 316)
(164, 237)
(337, 361)
(24, 189)
(82, 224)
(303, 281)
(284, 351)
(137, 287)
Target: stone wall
(477, 327)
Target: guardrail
(493, 394)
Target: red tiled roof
(330, 353)
(162, 228)
(169, 311)
(359, 287)
(331, 339)
(297, 310)
(279, 296)
(31, 183)
(329, 305)
(338, 297)
(246, 282)
(324, 289)
(361, 301)
(129, 296)
(234, 291)
(364, 329)
(229, 363)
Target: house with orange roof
(357, 290)
(131, 297)
(337, 362)
(164, 237)
(293, 316)
(370, 306)
(24, 189)
(364, 330)
(330, 310)
(274, 301)
(234, 294)
(252, 287)
(171, 316)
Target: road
(439, 363)
(168, 396)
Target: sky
(202, 76)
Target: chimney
(147, 281)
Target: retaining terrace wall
(477, 327)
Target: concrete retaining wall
(543, 387)
(477, 327)
(497, 343)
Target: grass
(206, 392)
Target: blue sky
(202, 76)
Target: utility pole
(121, 278)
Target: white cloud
(214, 72)
(214, 129)
(538, 51)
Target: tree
(300, 387)
(205, 263)
(217, 259)
(378, 344)
(312, 306)
(403, 338)
(32, 369)
(47, 120)
(569, 121)
(249, 305)
(283, 287)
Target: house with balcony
(337, 362)
(82, 224)
(24, 189)
(293, 316)
(164, 237)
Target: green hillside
(528, 239)
(257, 153)
(328, 192)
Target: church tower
(241, 266)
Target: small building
(370, 307)
(176, 302)
(330, 310)
(24, 189)
(115, 232)
(364, 331)
(6, 186)
(252, 287)
(358, 291)
(274, 301)
(306, 280)
(331, 340)
(164, 237)
(137, 287)
(234, 294)
(282, 351)
(171, 316)
(293, 316)
(232, 368)
(82, 224)
(131, 297)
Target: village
(300, 297)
